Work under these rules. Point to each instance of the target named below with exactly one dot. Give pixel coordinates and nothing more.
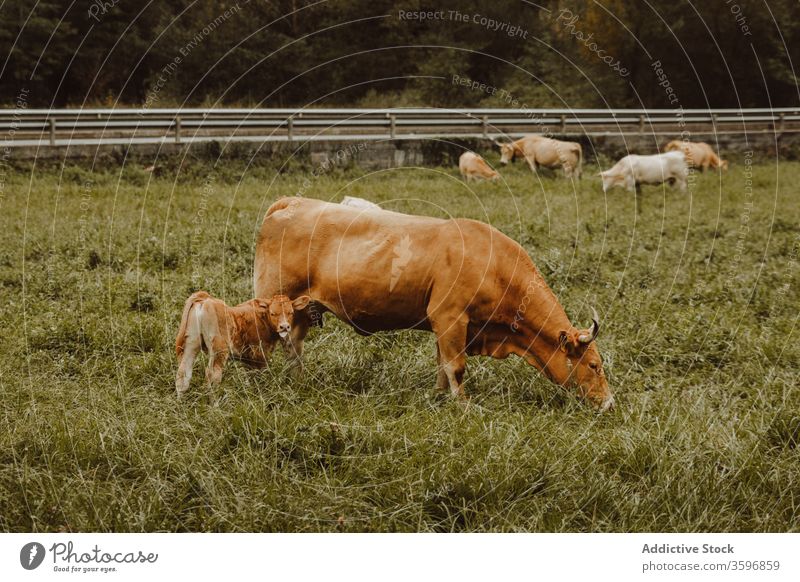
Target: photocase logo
(31, 555)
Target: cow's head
(586, 366)
(280, 312)
(508, 151)
(611, 179)
(723, 164)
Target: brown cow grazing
(247, 332)
(546, 152)
(698, 155)
(465, 281)
(474, 167)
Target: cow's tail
(180, 339)
(579, 165)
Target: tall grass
(698, 295)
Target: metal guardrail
(63, 127)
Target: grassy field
(698, 295)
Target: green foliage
(697, 334)
(304, 53)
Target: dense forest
(609, 53)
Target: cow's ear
(569, 343)
(263, 303)
(563, 341)
(301, 302)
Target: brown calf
(247, 332)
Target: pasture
(698, 298)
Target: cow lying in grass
(247, 332)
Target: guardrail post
(178, 129)
(563, 124)
(485, 119)
(714, 121)
(52, 123)
(392, 127)
(290, 128)
(782, 125)
(641, 124)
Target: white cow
(633, 170)
(359, 203)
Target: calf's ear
(263, 303)
(301, 302)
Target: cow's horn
(587, 339)
(497, 142)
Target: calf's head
(280, 312)
(586, 367)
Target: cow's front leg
(451, 340)
(294, 355)
(531, 163)
(293, 345)
(442, 383)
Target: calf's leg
(184, 377)
(217, 356)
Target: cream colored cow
(543, 151)
(474, 167)
(698, 155)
